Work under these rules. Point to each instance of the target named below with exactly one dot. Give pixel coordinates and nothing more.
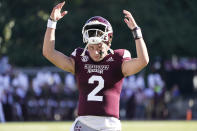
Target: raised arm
(57, 58)
(134, 65)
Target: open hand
(129, 20)
(56, 13)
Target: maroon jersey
(99, 83)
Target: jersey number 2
(92, 95)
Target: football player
(98, 69)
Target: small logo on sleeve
(110, 59)
(85, 58)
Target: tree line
(169, 27)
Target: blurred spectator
(20, 83)
(2, 116)
(70, 84)
(195, 81)
(182, 63)
(4, 65)
(157, 86)
(57, 79)
(127, 99)
(21, 80)
(140, 83)
(140, 96)
(128, 103)
(140, 99)
(154, 80)
(149, 102)
(175, 93)
(7, 97)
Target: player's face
(97, 51)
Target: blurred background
(32, 89)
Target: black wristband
(52, 19)
(137, 34)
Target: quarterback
(98, 69)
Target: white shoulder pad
(74, 52)
(126, 54)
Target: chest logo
(96, 68)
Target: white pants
(99, 123)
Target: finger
(130, 18)
(126, 12)
(64, 13)
(62, 4)
(125, 17)
(58, 5)
(126, 21)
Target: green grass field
(126, 126)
